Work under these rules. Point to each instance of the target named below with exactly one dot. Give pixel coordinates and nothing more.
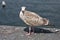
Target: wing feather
(32, 18)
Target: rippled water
(45, 8)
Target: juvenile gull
(32, 19)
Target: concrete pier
(18, 33)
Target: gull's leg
(29, 31)
(32, 29)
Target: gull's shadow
(38, 30)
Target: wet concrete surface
(18, 33)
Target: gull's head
(23, 8)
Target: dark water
(45, 8)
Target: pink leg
(32, 30)
(29, 31)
